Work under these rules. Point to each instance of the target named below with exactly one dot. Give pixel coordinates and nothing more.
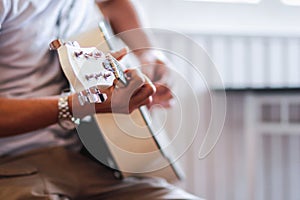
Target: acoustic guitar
(126, 143)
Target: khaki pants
(57, 173)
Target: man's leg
(146, 188)
(60, 174)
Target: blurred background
(255, 45)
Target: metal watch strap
(65, 114)
(63, 107)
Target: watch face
(67, 124)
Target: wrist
(77, 110)
(65, 117)
(144, 52)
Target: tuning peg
(107, 66)
(55, 44)
(102, 96)
(82, 99)
(91, 97)
(73, 43)
(89, 76)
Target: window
(231, 1)
(291, 2)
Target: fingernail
(126, 48)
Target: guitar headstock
(89, 70)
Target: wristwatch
(65, 119)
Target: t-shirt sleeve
(4, 8)
(100, 1)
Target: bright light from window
(233, 1)
(291, 2)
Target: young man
(39, 159)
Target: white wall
(252, 45)
(258, 44)
(268, 16)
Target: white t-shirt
(28, 68)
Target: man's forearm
(24, 115)
(123, 16)
(20, 116)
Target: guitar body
(125, 143)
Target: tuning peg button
(82, 99)
(102, 97)
(55, 44)
(93, 98)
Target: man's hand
(127, 24)
(120, 98)
(157, 70)
(125, 99)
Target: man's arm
(123, 16)
(124, 19)
(24, 115)
(19, 116)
